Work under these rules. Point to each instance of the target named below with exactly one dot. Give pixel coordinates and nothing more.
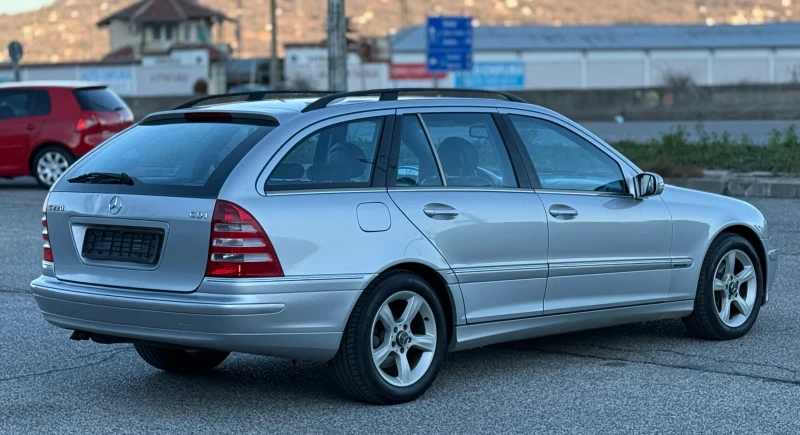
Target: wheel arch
(41, 146)
(440, 286)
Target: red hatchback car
(46, 126)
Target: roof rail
(250, 96)
(392, 94)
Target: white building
(597, 57)
(158, 48)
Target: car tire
(49, 163)
(178, 360)
(718, 288)
(365, 334)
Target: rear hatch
(103, 114)
(142, 218)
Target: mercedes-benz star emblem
(115, 205)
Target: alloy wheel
(735, 288)
(403, 338)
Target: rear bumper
(289, 318)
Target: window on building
(187, 32)
(157, 32)
(201, 32)
(168, 33)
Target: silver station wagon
(379, 231)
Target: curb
(746, 187)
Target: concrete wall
(692, 103)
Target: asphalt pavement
(641, 378)
(643, 131)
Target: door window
(565, 161)
(23, 103)
(470, 149)
(342, 155)
(416, 164)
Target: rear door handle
(440, 211)
(561, 210)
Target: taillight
(48, 253)
(87, 121)
(239, 247)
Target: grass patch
(677, 155)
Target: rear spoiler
(199, 116)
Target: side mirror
(648, 184)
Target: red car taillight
(88, 120)
(48, 253)
(239, 247)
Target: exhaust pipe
(98, 338)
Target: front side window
(470, 149)
(565, 161)
(342, 155)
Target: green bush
(676, 155)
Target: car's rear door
(607, 249)
(481, 215)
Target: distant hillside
(66, 31)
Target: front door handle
(561, 210)
(31, 127)
(439, 211)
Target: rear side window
(342, 155)
(182, 159)
(99, 100)
(20, 103)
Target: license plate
(122, 245)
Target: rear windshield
(99, 100)
(180, 159)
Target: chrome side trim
(500, 273)
(325, 191)
(484, 334)
(616, 266)
(462, 189)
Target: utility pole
(274, 78)
(337, 46)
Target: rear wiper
(103, 178)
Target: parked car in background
(46, 126)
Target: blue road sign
(449, 44)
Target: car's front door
(452, 175)
(607, 248)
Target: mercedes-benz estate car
(379, 234)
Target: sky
(14, 6)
